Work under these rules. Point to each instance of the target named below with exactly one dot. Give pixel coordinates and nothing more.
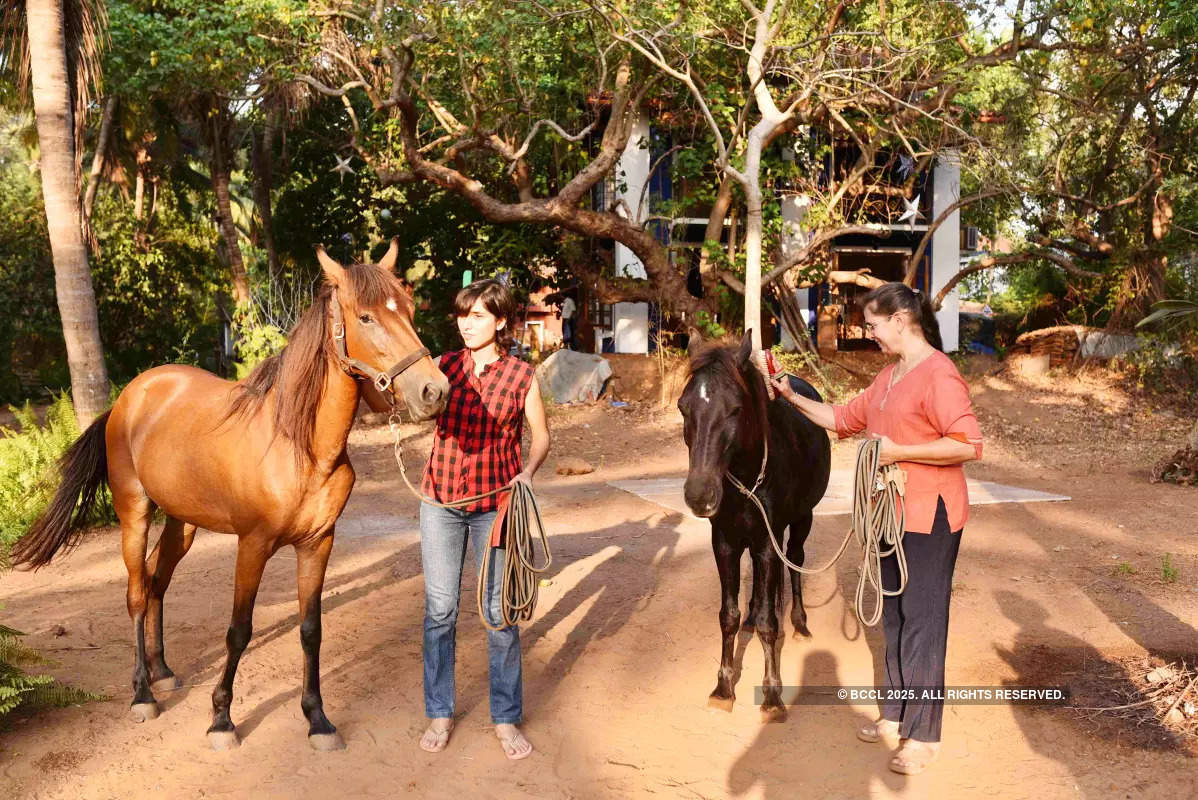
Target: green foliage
(19, 689)
(1164, 365)
(1169, 573)
(28, 459)
(257, 339)
(708, 326)
(805, 365)
(1124, 569)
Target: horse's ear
(388, 260)
(745, 353)
(694, 341)
(332, 270)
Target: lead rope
(520, 583)
(878, 522)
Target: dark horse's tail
(84, 469)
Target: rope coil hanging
(878, 522)
(522, 526)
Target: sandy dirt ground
(624, 647)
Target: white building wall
(794, 211)
(946, 245)
(631, 320)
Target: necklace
(895, 377)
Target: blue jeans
(443, 534)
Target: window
(599, 314)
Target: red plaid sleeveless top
(477, 444)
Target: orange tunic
(928, 403)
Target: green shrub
(17, 688)
(1164, 364)
(28, 474)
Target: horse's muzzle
(702, 496)
(429, 398)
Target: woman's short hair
(890, 298)
(497, 299)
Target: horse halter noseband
(360, 369)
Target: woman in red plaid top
(476, 450)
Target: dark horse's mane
(722, 360)
(299, 370)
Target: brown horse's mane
(722, 359)
(297, 373)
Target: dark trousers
(916, 626)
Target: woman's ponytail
(927, 321)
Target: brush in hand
(769, 367)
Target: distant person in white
(567, 314)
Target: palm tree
(55, 52)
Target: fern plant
(28, 475)
(17, 688)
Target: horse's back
(809, 453)
(170, 433)
(804, 388)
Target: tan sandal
(913, 757)
(439, 739)
(874, 731)
(516, 746)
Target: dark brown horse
(264, 459)
(727, 420)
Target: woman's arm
(940, 453)
(819, 413)
(534, 412)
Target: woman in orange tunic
(920, 409)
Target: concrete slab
(667, 492)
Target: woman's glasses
(870, 327)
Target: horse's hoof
(167, 684)
(802, 632)
(773, 714)
(141, 712)
(326, 742)
(720, 703)
(224, 740)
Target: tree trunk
(260, 155)
(224, 210)
(139, 191)
(754, 224)
(93, 183)
(72, 277)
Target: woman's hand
(781, 384)
(889, 453)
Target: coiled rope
(521, 526)
(878, 523)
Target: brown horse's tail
(84, 469)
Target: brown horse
(264, 459)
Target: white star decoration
(911, 211)
(342, 167)
(906, 164)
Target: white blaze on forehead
(703, 392)
(391, 304)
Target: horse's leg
(136, 512)
(765, 593)
(172, 546)
(312, 559)
(750, 622)
(252, 554)
(727, 561)
(800, 528)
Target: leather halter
(360, 369)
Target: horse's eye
(366, 319)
